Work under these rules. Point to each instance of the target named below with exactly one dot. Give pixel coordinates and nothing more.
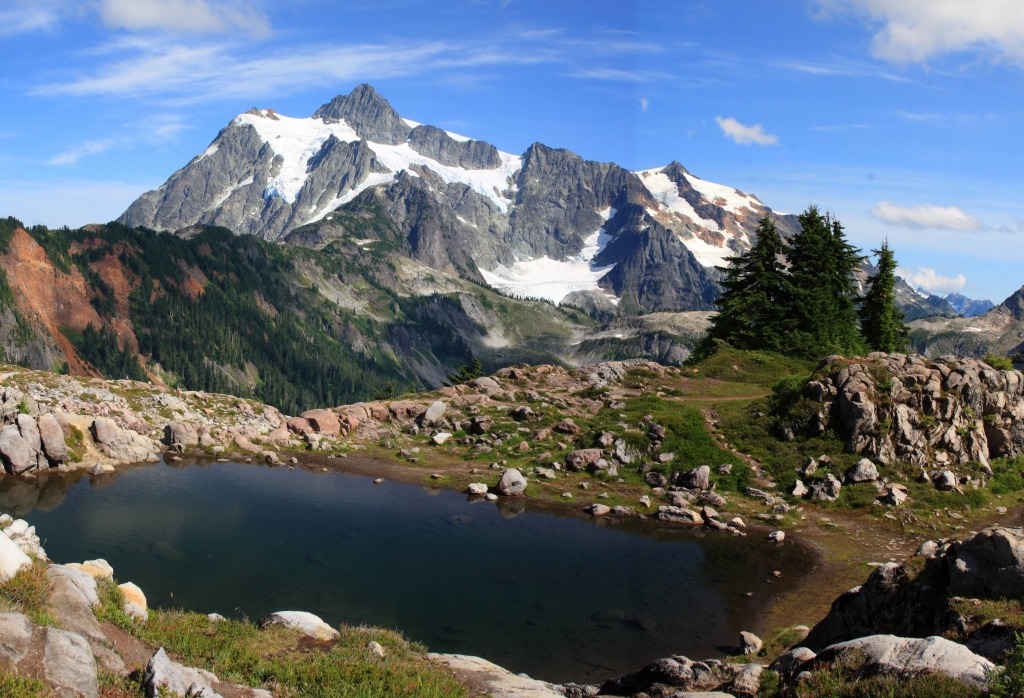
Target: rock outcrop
(897, 407)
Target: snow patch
(371, 180)
(732, 199)
(552, 279)
(608, 213)
(214, 147)
(295, 141)
(707, 255)
(244, 183)
(488, 183)
(458, 137)
(666, 192)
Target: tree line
(799, 296)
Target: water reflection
(555, 596)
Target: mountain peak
(369, 114)
(1014, 305)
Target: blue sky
(902, 117)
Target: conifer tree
(881, 322)
(753, 306)
(823, 308)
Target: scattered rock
(777, 536)
(863, 471)
(598, 509)
(750, 643)
(512, 483)
(478, 489)
(165, 677)
(134, 601)
(307, 623)
(12, 559)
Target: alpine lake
(547, 591)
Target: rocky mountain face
(999, 331)
(614, 239)
(895, 407)
(968, 307)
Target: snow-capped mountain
(545, 224)
(969, 307)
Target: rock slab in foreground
(912, 656)
(492, 680)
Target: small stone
(378, 481)
(598, 510)
(750, 643)
(777, 536)
(440, 437)
(477, 489)
(376, 649)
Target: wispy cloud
(27, 17)
(913, 31)
(926, 216)
(745, 135)
(644, 103)
(618, 75)
(840, 128)
(191, 16)
(840, 67)
(931, 281)
(76, 153)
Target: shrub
(1001, 363)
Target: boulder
(863, 471)
(567, 426)
(679, 515)
(29, 430)
(15, 638)
(799, 489)
(578, 460)
(15, 452)
(68, 664)
(308, 623)
(122, 445)
(895, 494)
(52, 438)
(12, 559)
(512, 483)
(910, 657)
(322, 421)
(134, 601)
(825, 489)
(945, 481)
(72, 599)
(598, 509)
(697, 479)
(433, 413)
(493, 680)
(97, 569)
(180, 433)
(165, 677)
(298, 425)
(478, 489)
(655, 479)
(750, 643)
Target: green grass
(757, 367)
(12, 686)
(283, 661)
(28, 592)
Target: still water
(560, 597)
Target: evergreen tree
(753, 306)
(824, 306)
(881, 322)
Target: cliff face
(897, 407)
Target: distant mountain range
(968, 307)
(326, 259)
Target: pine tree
(821, 270)
(753, 306)
(881, 322)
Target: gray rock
(433, 413)
(122, 445)
(750, 643)
(679, 515)
(68, 663)
(791, 662)
(12, 558)
(512, 483)
(15, 452)
(863, 471)
(697, 479)
(308, 623)
(29, 429)
(52, 438)
(945, 481)
(598, 509)
(912, 656)
(477, 488)
(72, 598)
(799, 489)
(747, 680)
(164, 676)
(180, 433)
(438, 145)
(15, 638)
(578, 460)
(494, 680)
(825, 488)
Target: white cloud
(745, 135)
(73, 155)
(925, 216)
(28, 17)
(933, 282)
(912, 31)
(198, 16)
